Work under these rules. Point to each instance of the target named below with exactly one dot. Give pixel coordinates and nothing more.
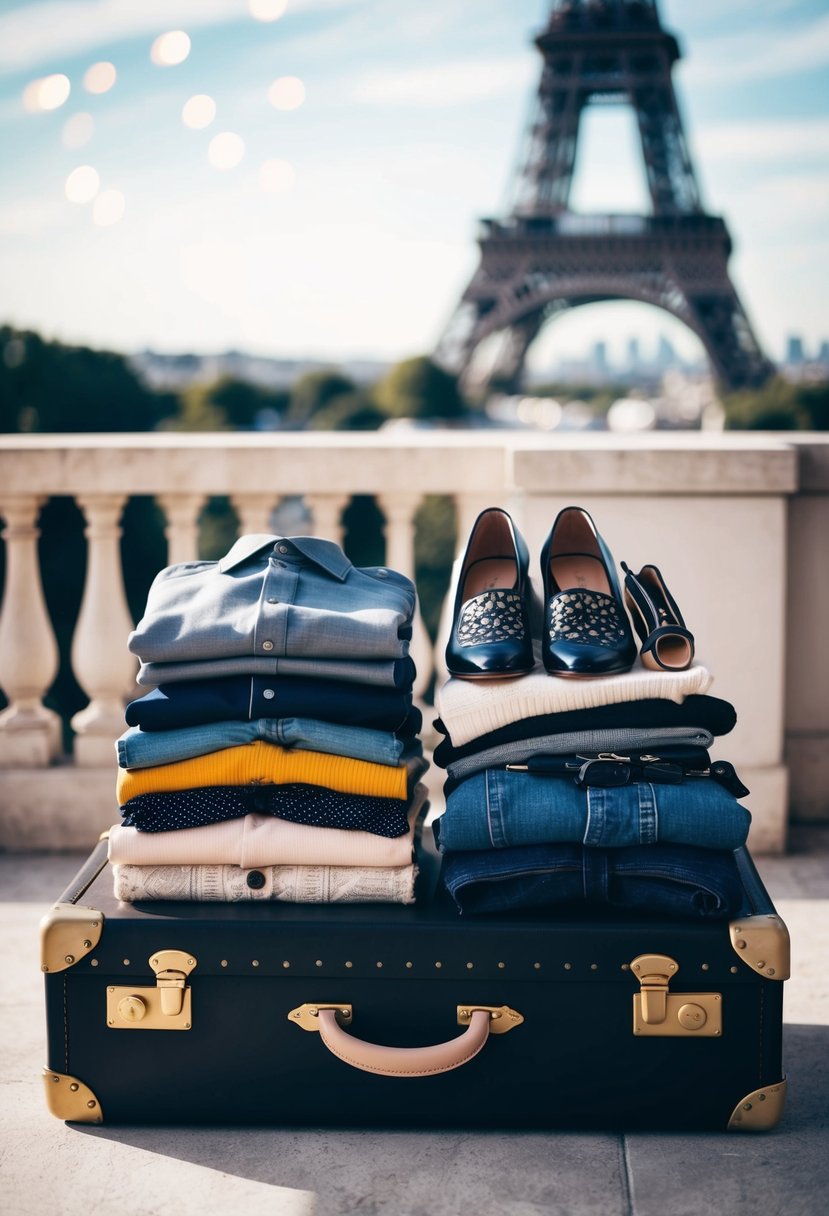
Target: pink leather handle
(404, 1061)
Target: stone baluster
(326, 515)
(399, 511)
(181, 512)
(29, 732)
(253, 512)
(102, 664)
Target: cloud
(763, 142)
(747, 56)
(36, 33)
(446, 84)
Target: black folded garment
(309, 804)
(243, 698)
(711, 713)
(663, 879)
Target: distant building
(633, 352)
(794, 350)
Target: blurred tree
(225, 405)
(46, 386)
(778, 406)
(356, 411)
(418, 388)
(313, 392)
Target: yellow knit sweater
(262, 763)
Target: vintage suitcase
(228, 1013)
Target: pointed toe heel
(491, 637)
(667, 643)
(586, 630)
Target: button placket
(278, 592)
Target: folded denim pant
(665, 880)
(138, 748)
(497, 809)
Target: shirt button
(267, 645)
(269, 694)
(382, 574)
(282, 548)
(255, 880)
(272, 599)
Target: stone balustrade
(738, 523)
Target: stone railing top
(497, 462)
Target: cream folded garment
(471, 708)
(293, 884)
(262, 840)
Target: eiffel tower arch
(544, 258)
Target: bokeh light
(77, 130)
(276, 176)
(100, 77)
(267, 10)
(170, 48)
(225, 151)
(47, 93)
(198, 111)
(108, 208)
(286, 93)
(82, 184)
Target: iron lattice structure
(544, 258)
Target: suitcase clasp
(654, 972)
(168, 1006)
(171, 968)
(658, 1012)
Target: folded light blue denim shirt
(495, 810)
(276, 597)
(382, 673)
(146, 748)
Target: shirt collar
(322, 553)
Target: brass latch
(165, 1007)
(657, 1011)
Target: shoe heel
(667, 645)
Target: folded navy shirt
(309, 804)
(193, 702)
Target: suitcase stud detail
(760, 1110)
(168, 1006)
(660, 1013)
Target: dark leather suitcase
(215, 1013)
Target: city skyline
(367, 149)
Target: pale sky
(358, 235)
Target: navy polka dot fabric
(309, 804)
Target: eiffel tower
(544, 258)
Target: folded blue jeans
(138, 748)
(497, 809)
(664, 880)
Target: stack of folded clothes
(277, 755)
(597, 788)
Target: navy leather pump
(491, 637)
(667, 644)
(586, 630)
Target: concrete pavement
(51, 1169)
